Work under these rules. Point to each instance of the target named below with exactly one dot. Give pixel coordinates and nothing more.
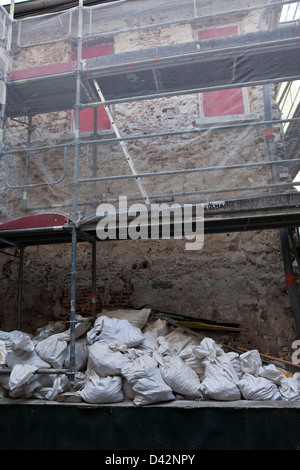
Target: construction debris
(130, 355)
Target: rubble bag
(258, 388)
(180, 377)
(102, 389)
(145, 378)
(218, 384)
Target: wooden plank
(206, 326)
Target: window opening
(87, 114)
(221, 102)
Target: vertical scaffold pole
(94, 278)
(8, 45)
(12, 8)
(75, 201)
(20, 287)
(95, 156)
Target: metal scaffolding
(258, 58)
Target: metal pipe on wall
(94, 278)
(75, 202)
(20, 287)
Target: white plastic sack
(258, 388)
(137, 318)
(16, 341)
(179, 340)
(208, 348)
(26, 357)
(251, 362)
(102, 389)
(181, 378)
(20, 374)
(44, 385)
(26, 390)
(80, 353)
(164, 347)
(159, 327)
(218, 384)
(196, 363)
(145, 378)
(59, 386)
(103, 360)
(211, 353)
(272, 373)
(113, 330)
(288, 387)
(128, 390)
(149, 343)
(23, 343)
(2, 353)
(54, 349)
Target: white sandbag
(45, 384)
(164, 347)
(158, 327)
(2, 353)
(180, 377)
(26, 390)
(211, 353)
(93, 334)
(145, 378)
(80, 355)
(208, 348)
(258, 388)
(179, 340)
(196, 363)
(59, 386)
(103, 360)
(237, 366)
(128, 391)
(54, 349)
(272, 373)
(26, 357)
(16, 340)
(20, 374)
(137, 318)
(102, 389)
(149, 343)
(113, 330)
(218, 384)
(289, 388)
(251, 362)
(23, 343)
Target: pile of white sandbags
(125, 356)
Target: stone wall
(236, 278)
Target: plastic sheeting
(194, 104)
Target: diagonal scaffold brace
(122, 144)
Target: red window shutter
(221, 102)
(87, 115)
